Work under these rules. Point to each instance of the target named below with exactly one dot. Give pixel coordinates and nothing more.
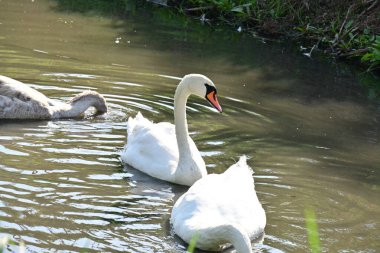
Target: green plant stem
(312, 230)
(193, 243)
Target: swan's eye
(210, 89)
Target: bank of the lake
(341, 30)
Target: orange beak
(211, 97)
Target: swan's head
(90, 98)
(202, 86)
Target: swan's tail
(132, 122)
(242, 165)
(242, 161)
(240, 171)
(138, 120)
(132, 126)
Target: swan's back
(217, 200)
(151, 147)
(18, 100)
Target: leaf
(349, 24)
(240, 8)
(366, 57)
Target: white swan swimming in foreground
(164, 150)
(220, 210)
(19, 101)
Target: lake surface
(310, 133)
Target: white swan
(19, 101)
(220, 210)
(163, 150)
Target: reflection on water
(312, 138)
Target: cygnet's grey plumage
(19, 101)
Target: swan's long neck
(180, 99)
(191, 166)
(235, 235)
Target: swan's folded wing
(143, 129)
(229, 197)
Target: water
(311, 135)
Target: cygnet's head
(91, 98)
(202, 86)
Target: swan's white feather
(152, 148)
(217, 200)
(163, 150)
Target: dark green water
(311, 135)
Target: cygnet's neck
(79, 104)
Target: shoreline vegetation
(343, 30)
(348, 29)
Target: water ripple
(81, 151)
(8, 151)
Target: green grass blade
(312, 230)
(193, 243)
